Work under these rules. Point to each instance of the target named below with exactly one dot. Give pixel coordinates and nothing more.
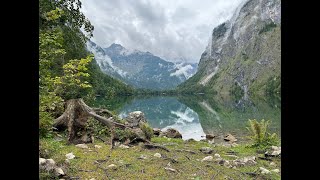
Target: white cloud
(173, 30)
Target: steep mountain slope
(243, 56)
(140, 69)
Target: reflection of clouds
(187, 123)
(191, 130)
(186, 116)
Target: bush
(147, 130)
(259, 134)
(45, 124)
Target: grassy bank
(94, 162)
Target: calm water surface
(195, 116)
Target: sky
(175, 30)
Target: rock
(97, 146)
(142, 157)
(210, 136)
(275, 170)
(264, 171)
(230, 138)
(275, 151)
(92, 179)
(112, 166)
(172, 133)
(157, 155)
(217, 155)
(170, 169)
(208, 158)
(273, 164)
(233, 156)
(42, 161)
(156, 131)
(58, 171)
(135, 118)
(50, 164)
(206, 150)
(82, 146)
(70, 156)
(124, 146)
(116, 143)
(250, 160)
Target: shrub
(147, 130)
(259, 134)
(45, 124)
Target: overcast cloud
(176, 30)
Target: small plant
(147, 130)
(260, 135)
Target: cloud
(174, 30)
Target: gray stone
(206, 150)
(82, 146)
(124, 146)
(158, 155)
(264, 170)
(58, 171)
(172, 133)
(97, 146)
(208, 158)
(70, 155)
(112, 166)
(230, 138)
(275, 170)
(135, 118)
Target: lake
(195, 116)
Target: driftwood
(75, 117)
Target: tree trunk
(75, 118)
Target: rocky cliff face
(244, 54)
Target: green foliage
(147, 130)
(273, 86)
(268, 27)
(236, 91)
(97, 128)
(45, 124)
(260, 135)
(123, 135)
(73, 83)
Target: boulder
(58, 171)
(208, 158)
(206, 150)
(210, 136)
(172, 133)
(134, 119)
(156, 131)
(229, 137)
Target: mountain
(243, 56)
(140, 69)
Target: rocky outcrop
(134, 119)
(243, 56)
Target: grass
(188, 166)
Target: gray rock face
(244, 52)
